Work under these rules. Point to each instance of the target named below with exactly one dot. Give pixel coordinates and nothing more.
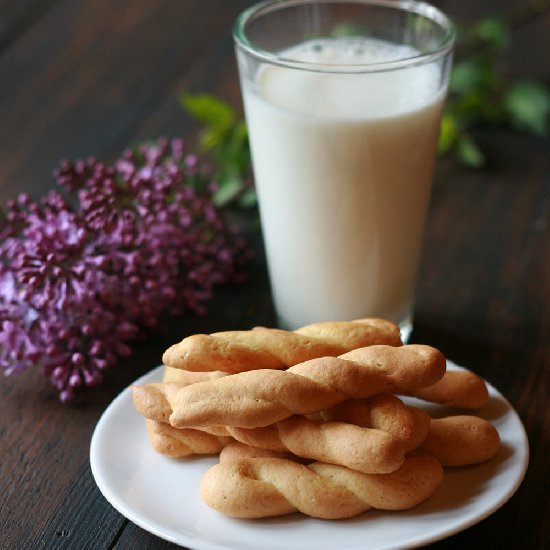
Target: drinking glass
(343, 101)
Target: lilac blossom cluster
(96, 264)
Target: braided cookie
(176, 443)
(386, 412)
(259, 398)
(461, 440)
(264, 487)
(458, 388)
(366, 450)
(266, 348)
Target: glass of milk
(343, 102)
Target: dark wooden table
(89, 77)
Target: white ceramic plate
(161, 495)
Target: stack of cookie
(312, 420)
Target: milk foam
(327, 93)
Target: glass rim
(435, 15)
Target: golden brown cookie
(259, 398)
(364, 449)
(267, 348)
(264, 487)
(386, 412)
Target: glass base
(406, 328)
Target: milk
(343, 166)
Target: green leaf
(493, 31)
(229, 189)
(447, 134)
(528, 106)
(473, 74)
(209, 138)
(223, 137)
(248, 198)
(209, 110)
(241, 132)
(468, 152)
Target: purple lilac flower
(79, 283)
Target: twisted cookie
(386, 412)
(366, 450)
(263, 487)
(263, 348)
(259, 398)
